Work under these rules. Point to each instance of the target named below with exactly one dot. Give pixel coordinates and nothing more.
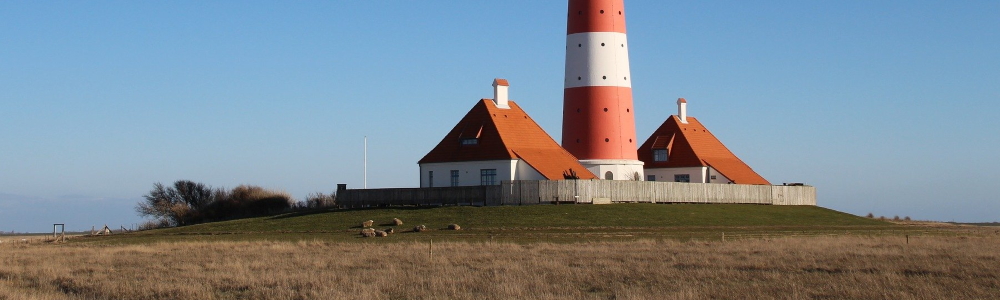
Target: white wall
(526, 172)
(622, 169)
(698, 174)
(469, 174)
(718, 177)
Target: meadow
(845, 267)
(540, 252)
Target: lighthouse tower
(598, 116)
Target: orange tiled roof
(692, 145)
(501, 81)
(505, 134)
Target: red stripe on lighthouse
(596, 16)
(599, 123)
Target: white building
(496, 141)
(683, 150)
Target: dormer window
(469, 141)
(659, 154)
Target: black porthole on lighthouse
(579, 78)
(579, 45)
(579, 12)
(629, 141)
(626, 78)
(577, 110)
(605, 109)
(604, 77)
(619, 12)
(607, 140)
(602, 44)
(602, 11)
(628, 110)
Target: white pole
(366, 162)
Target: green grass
(533, 223)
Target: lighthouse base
(615, 169)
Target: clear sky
(888, 107)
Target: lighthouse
(598, 116)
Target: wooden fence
(530, 192)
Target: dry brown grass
(929, 267)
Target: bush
(248, 201)
(181, 204)
(870, 216)
(187, 202)
(318, 200)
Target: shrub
(188, 202)
(907, 218)
(318, 200)
(181, 204)
(154, 224)
(870, 216)
(248, 201)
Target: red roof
(692, 145)
(504, 134)
(501, 81)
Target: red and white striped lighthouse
(598, 116)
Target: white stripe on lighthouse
(589, 63)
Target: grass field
(554, 223)
(627, 251)
(844, 267)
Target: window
(470, 141)
(609, 176)
(682, 178)
(659, 154)
(488, 177)
(650, 177)
(430, 178)
(454, 177)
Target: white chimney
(682, 110)
(500, 87)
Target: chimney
(682, 110)
(500, 87)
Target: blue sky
(888, 107)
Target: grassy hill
(530, 223)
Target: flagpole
(366, 162)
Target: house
(495, 141)
(683, 150)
